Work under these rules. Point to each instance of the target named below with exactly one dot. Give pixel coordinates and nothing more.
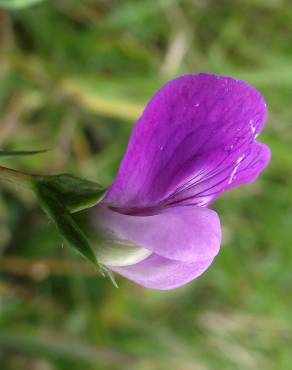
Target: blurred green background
(74, 77)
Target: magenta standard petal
(195, 132)
(161, 273)
(243, 169)
(186, 233)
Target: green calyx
(77, 194)
(59, 196)
(55, 208)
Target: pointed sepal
(77, 194)
(52, 204)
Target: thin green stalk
(18, 177)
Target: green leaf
(18, 4)
(53, 205)
(76, 193)
(20, 153)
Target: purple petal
(189, 141)
(186, 233)
(239, 169)
(157, 272)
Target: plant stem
(17, 177)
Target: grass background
(74, 77)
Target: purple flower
(194, 141)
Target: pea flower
(194, 141)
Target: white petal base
(120, 253)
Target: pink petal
(157, 272)
(185, 233)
